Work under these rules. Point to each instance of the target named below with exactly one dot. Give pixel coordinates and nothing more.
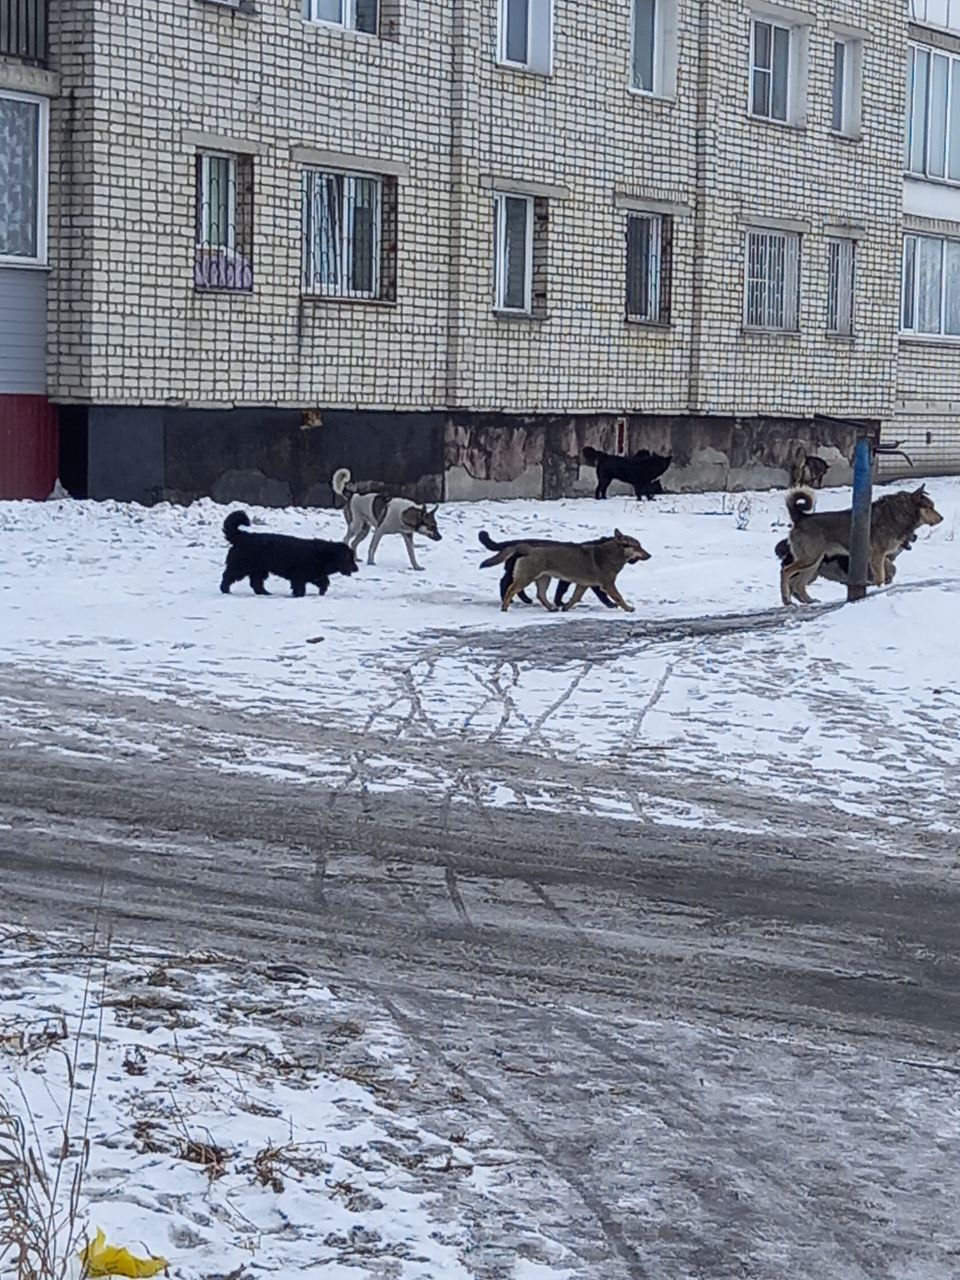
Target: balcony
(23, 30)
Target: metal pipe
(860, 519)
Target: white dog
(382, 514)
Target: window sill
(840, 136)
(520, 69)
(339, 300)
(951, 184)
(244, 8)
(22, 264)
(792, 126)
(318, 24)
(930, 339)
(652, 95)
(848, 338)
(654, 326)
(523, 317)
(221, 290)
(747, 331)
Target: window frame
(791, 288)
(941, 334)
(231, 205)
(539, 53)
(659, 268)
(851, 87)
(347, 180)
(775, 24)
(664, 52)
(40, 259)
(953, 16)
(500, 199)
(951, 115)
(348, 22)
(841, 286)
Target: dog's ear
(920, 493)
(618, 534)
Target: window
(648, 267)
(931, 286)
(770, 70)
(653, 44)
(356, 15)
(349, 235)
(933, 114)
(514, 253)
(224, 232)
(772, 280)
(937, 13)
(23, 179)
(526, 34)
(841, 255)
(847, 64)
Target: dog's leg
(878, 567)
(374, 543)
(357, 533)
(543, 583)
(228, 579)
(258, 585)
(603, 598)
(298, 587)
(578, 594)
(561, 591)
(508, 578)
(794, 578)
(616, 597)
(408, 539)
(323, 585)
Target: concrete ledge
(20, 78)
(221, 142)
(521, 187)
(349, 162)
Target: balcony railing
(23, 30)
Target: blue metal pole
(860, 520)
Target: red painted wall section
(29, 446)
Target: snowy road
(719, 1052)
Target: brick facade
(145, 87)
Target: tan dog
(894, 519)
(586, 564)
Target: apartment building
(448, 244)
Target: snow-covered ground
(854, 708)
(236, 1118)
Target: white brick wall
(127, 325)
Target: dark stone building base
(286, 457)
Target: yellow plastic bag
(102, 1259)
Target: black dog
(642, 470)
(299, 560)
(510, 563)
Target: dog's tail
(800, 503)
(659, 466)
(232, 525)
(340, 482)
(488, 542)
(591, 456)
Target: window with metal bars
(349, 235)
(224, 231)
(355, 15)
(841, 267)
(931, 286)
(649, 242)
(23, 30)
(772, 280)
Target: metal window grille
(770, 70)
(23, 30)
(224, 248)
(841, 267)
(513, 217)
(357, 15)
(933, 114)
(644, 44)
(647, 267)
(772, 280)
(343, 234)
